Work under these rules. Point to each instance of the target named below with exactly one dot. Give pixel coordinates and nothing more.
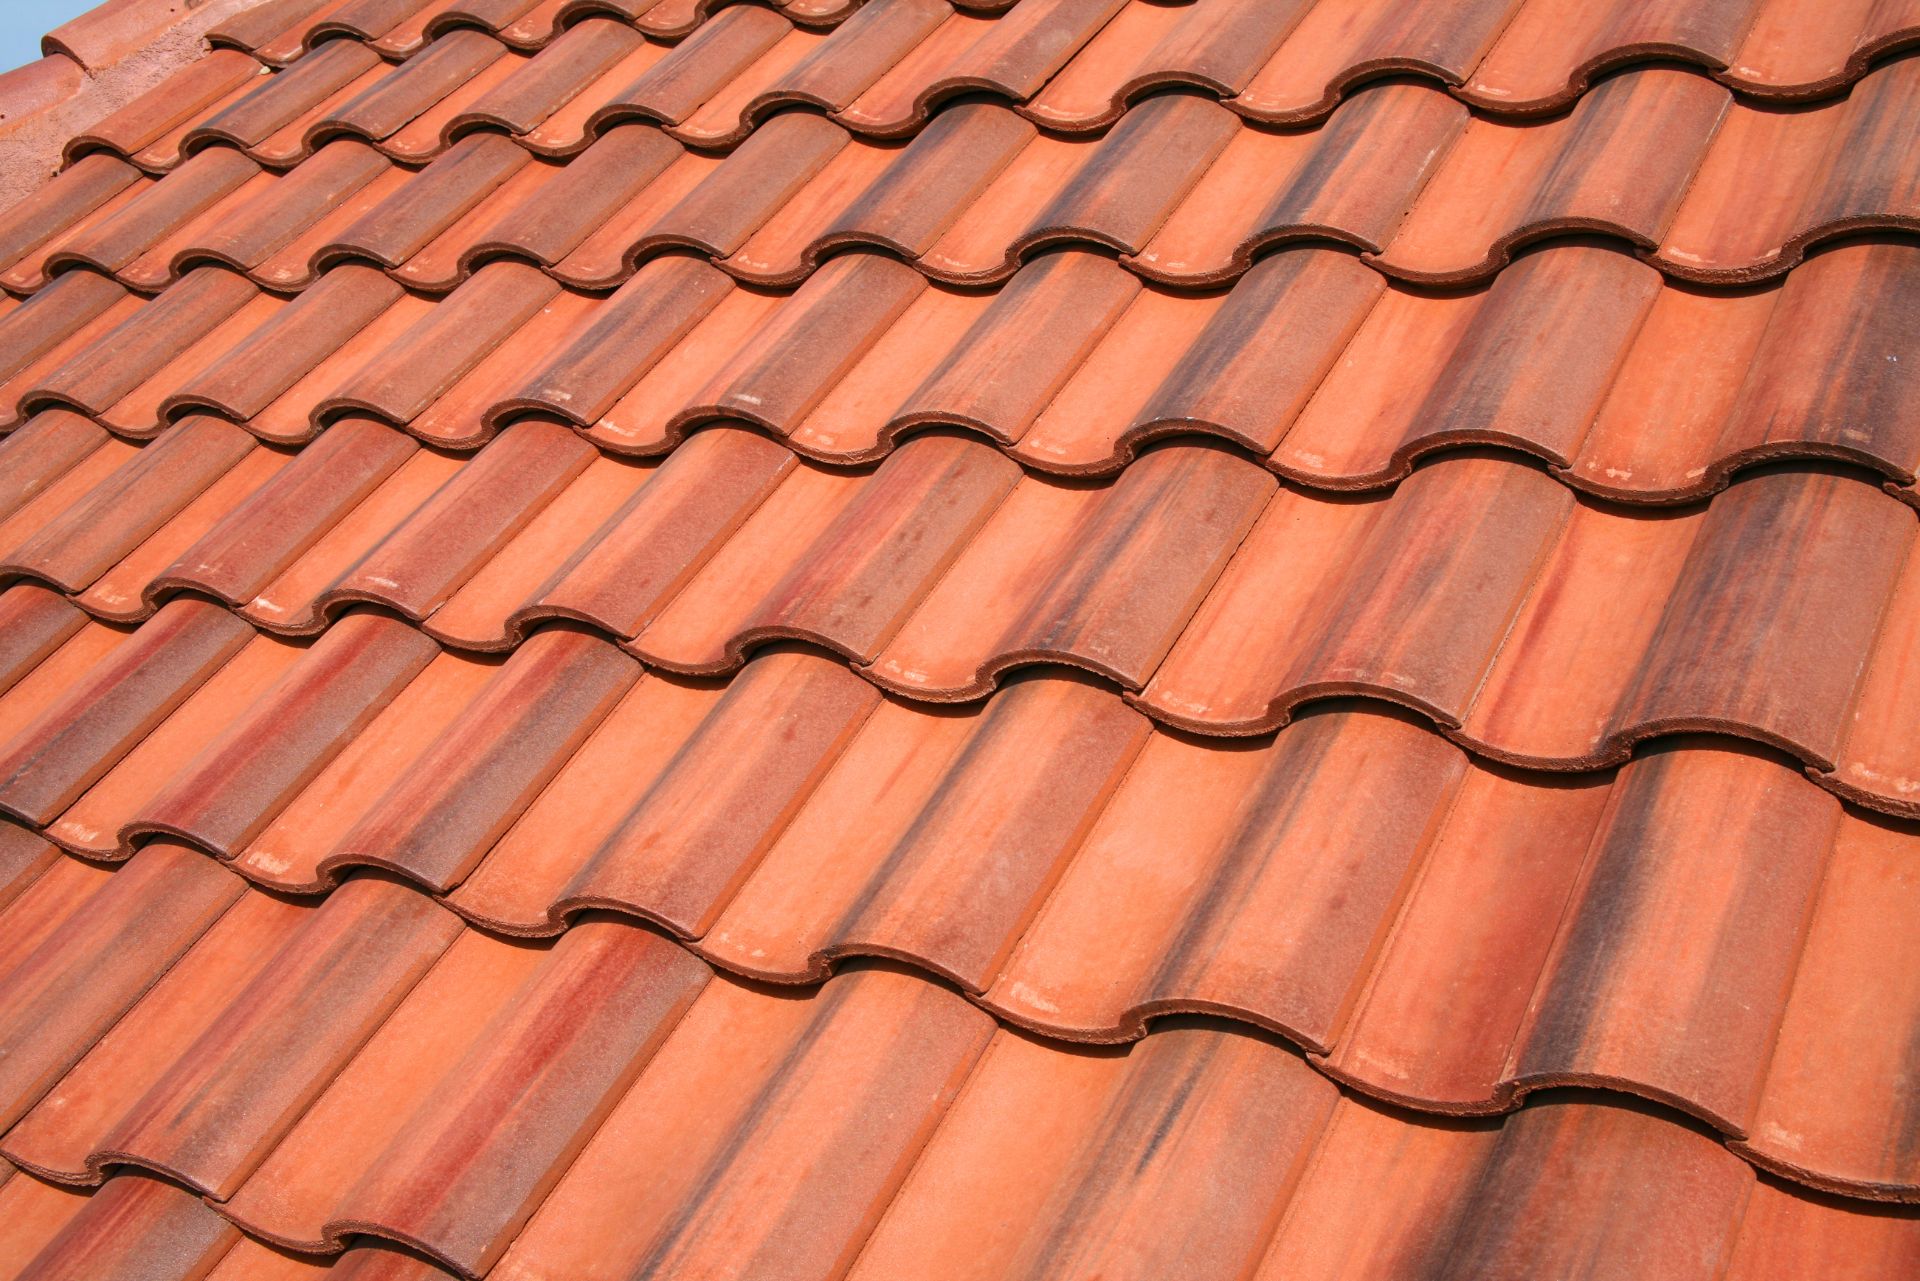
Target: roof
(1066, 639)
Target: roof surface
(1073, 639)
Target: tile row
(1182, 190)
(605, 1105)
(1653, 930)
(1310, 361)
(280, 32)
(1783, 610)
(140, 1228)
(1077, 63)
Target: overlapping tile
(1308, 361)
(1168, 581)
(1077, 65)
(1177, 185)
(721, 1106)
(1023, 830)
(409, 504)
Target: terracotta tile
(1600, 1186)
(643, 320)
(1054, 1164)
(417, 84)
(445, 539)
(146, 341)
(289, 417)
(32, 1213)
(529, 869)
(648, 549)
(428, 134)
(265, 216)
(1875, 763)
(1742, 215)
(1477, 925)
(1228, 367)
(857, 53)
(540, 1041)
(746, 188)
(1795, 49)
(900, 199)
(24, 857)
(35, 455)
(1822, 1115)
(139, 414)
(252, 27)
(494, 608)
(1212, 46)
(1569, 174)
(162, 1020)
(280, 99)
(1579, 642)
(135, 1229)
(1341, 45)
(1785, 1232)
(765, 1137)
(609, 255)
(701, 65)
(101, 715)
(490, 762)
(1252, 917)
(40, 215)
(1551, 49)
(1823, 179)
(432, 200)
(1105, 192)
(409, 374)
(1351, 179)
(130, 590)
(581, 197)
(935, 837)
(36, 337)
(783, 369)
(288, 853)
(554, 75)
(1658, 430)
(183, 96)
(296, 266)
(1622, 1001)
(85, 946)
(127, 506)
(1830, 318)
(293, 602)
(1442, 595)
(261, 537)
(1021, 51)
(33, 623)
(837, 560)
(1113, 605)
(227, 794)
(1492, 369)
(576, 124)
(230, 1050)
(101, 823)
(472, 409)
(695, 830)
(725, 117)
(900, 102)
(116, 240)
(995, 379)
(1818, 555)
(62, 657)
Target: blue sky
(23, 22)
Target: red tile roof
(964, 639)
